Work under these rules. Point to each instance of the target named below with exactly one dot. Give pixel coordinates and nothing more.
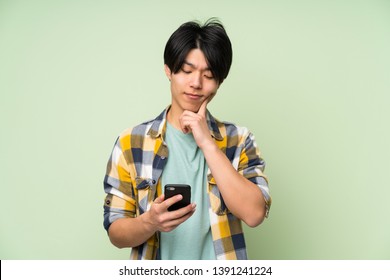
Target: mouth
(193, 96)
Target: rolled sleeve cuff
(116, 208)
(263, 186)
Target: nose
(196, 81)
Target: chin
(192, 108)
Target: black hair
(210, 38)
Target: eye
(186, 71)
(208, 75)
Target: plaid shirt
(133, 181)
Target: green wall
(311, 79)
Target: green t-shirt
(186, 164)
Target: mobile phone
(171, 190)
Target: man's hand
(158, 218)
(197, 124)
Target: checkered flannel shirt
(133, 181)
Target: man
(185, 144)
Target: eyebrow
(193, 66)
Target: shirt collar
(158, 127)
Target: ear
(168, 72)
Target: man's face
(192, 84)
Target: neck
(173, 117)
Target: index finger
(203, 107)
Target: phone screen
(171, 190)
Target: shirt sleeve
(251, 166)
(120, 198)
